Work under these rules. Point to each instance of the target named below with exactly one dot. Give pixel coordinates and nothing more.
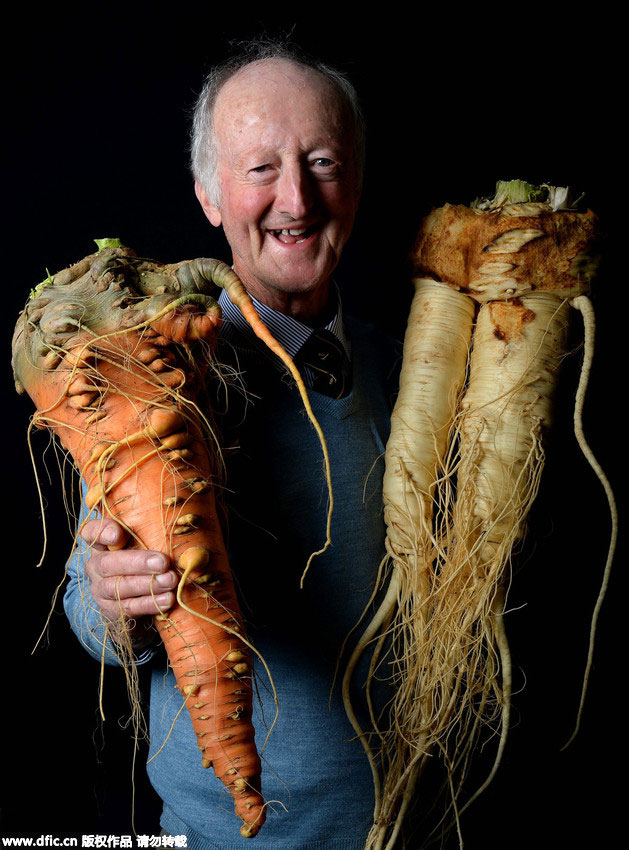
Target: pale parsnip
(433, 372)
(461, 479)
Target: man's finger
(130, 562)
(103, 533)
(135, 587)
(146, 606)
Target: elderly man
(277, 158)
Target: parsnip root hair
(463, 467)
(433, 372)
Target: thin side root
(584, 306)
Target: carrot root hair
(114, 352)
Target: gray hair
(204, 149)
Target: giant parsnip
(462, 470)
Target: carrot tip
(248, 830)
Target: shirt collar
(289, 332)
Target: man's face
(288, 181)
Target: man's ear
(212, 213)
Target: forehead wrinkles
(267, 101)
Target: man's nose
(295, 191)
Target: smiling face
(288, 182)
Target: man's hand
(133, 582)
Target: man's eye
(324, 162)
(259, 169)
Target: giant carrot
(114, 351)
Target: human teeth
(293, 232)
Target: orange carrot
(113, 352)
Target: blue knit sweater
(316, 777)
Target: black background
(97, 109)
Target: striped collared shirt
(289, 332)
